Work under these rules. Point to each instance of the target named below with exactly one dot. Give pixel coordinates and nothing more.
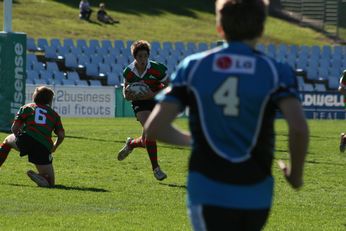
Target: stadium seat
(102, 51)
(46, 75)
(106, 44)
(96, 58)
(191, 47)
(92, 70)
(122, 61)
(129, 43)
(32, 75)
(67, 82)
(94, 43)
(31, 59)
(40, 82)
(88, 51)
(261, 47)
(155, 47)
(180, 46)
(271, 50)
(83, 60)
(95, 83)
(202, 46)
(81, 83)
(71, 61)
(117, 68)
(81, 44)
(333, 83)
(51, 53)
(119, 44)
(109, 59)
(320, 87)
(58, 76)
(113, 79)
(55, 42)
(308, 87)
(42, 43)
(104, 68)
(38, 66)
(72, 75)
(68, 43)
(31, 45)
(52, 66)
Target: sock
(152, 152)
(4, 150)
(138, 142)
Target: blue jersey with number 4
(232, 92)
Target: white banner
(74, 101)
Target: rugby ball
(138, 88)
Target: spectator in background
(84, 10)
(233, 93)
(102, 15)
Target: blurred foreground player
(233, 92)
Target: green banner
(12, 76)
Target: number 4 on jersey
(226, 96)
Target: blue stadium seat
(202, 46)
(31, 59)
(119, 44)
(42, 43)
(32, 75)
(31, 45)
(180, 46)
(52, 66)
(68, 43)
(40, 82)
(83, 60)
(308, 87)
(81, 44)
(261, 47)
(81, 83)
(95, 83)
(333, 83)
(113, 79)
(71, 61)
(106, 44)
(191, 47)
(46, 75)
(102, 51)
(58, 76)
(109, 59)
(55, 42)
(72, 75)
(68, 82)
(96, 58)
(94, 43)
(271, 50)
(129, 43)
(104, 68)
(38, 66)
(320, 87)
(51, 53)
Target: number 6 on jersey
(226, 96)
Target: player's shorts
(143, 105)
(205, 217)
(37, 152)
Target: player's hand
(295, 180)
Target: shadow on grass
(63, 187)
(150, 7)
(174, 185)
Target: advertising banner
(12, 76)
(74, 101)
(323, 105)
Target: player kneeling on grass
(150, 73)
(32, 135)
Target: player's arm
(60, 138)
(16, 127)
(342, 90)
(159, 125)
(298, 140)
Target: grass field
(152, 20)
(96, 192)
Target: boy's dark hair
(43, 95)
(241, 19)
(140, 45)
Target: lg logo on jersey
(234, 64)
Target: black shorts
(143, 105)
(37, 152)
(218, 218)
